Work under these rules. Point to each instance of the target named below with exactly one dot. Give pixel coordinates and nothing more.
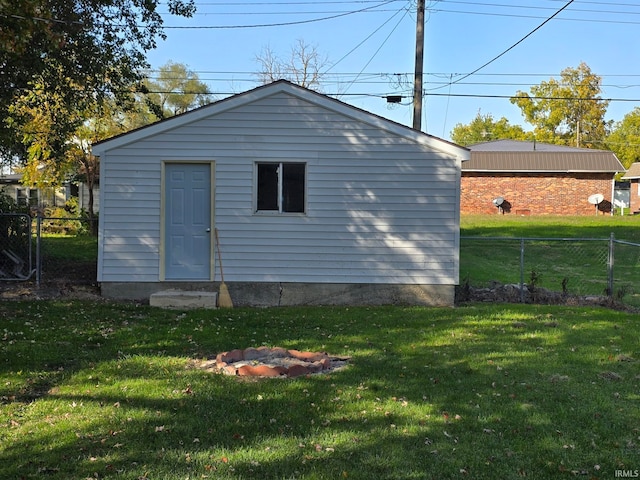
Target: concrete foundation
(180, 299)
(265, 294)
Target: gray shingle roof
(633, 172)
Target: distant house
(34, 197)
(633, 175)
(30, 196)
(530, 178)
(315, 201)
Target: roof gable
(633, 172)
(281, 86)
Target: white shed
(315, 202)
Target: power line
(280, 24)
(379, 78)
(381, 45)
(532, 97)
(361, 43)
(330, 15)
(384, 95)
(515, 44)
(210, 27)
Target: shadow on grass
(429, 394)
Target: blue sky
(371, 51)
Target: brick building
(536, 179)
(633, 175)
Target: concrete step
(179, 299)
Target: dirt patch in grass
(70, 280)
(501, 293)
(77, 281)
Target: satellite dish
(596, 198)
(498, 201)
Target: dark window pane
(293, 187)
(267, 186)
(33, 197)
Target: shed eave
(458, 152)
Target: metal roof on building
(521, 146)
(552, 160)
(556, 162)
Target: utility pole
(417, 79)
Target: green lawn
(100, 390)
(601, 226)
(490, 250)
(77, 248)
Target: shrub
(67, 220)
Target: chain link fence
(46, 252)
(66, 254)
(59, 253)
(552, 267)
(16, 259)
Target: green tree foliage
(568, 111)
(54, 159)
(484, 128)
(175, 90)
(624, 139)
(79, 51)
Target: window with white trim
(280, 187)
(27, 197)
(21, 197)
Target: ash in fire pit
(274, 362)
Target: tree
(484, 128)
(176, 90)
(86, 50)
(54, 159)
(569, 111)
(303, 67)
(624, 139)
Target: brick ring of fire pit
(275, 362)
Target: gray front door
(187, 221)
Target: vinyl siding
(380, 208)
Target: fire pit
(273, 362)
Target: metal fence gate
(16, 247)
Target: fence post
(38, 256)
(610, 262)
(522, 270)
